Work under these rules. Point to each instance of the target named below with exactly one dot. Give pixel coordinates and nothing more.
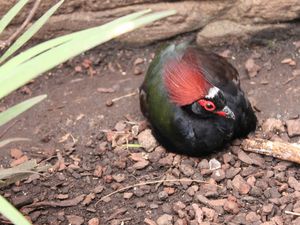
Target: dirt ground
(82, 127)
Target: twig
(281, 150)
(22, 27)
(150, 182)
(8, 128)
(124, 96)
(292, 213)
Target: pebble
(272, 125)
(214, 164)
(75, 220)
(186, 169)
(162, 195)
(165, 219)
(241, 185)
(218, 175)
(231, 206)
(293, 127)
(232, 172)
(293, 183)
(94, 221)
(252, 217)
(147, 140)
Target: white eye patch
(212, 92)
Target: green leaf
(14, 77)
(14, 111)
(30, 32)
(10, 140)
(34, 51)
(8, 17)
(11, 213)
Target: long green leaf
(25, 72)
(30, 53)
(8, 17)
(16, 110)
(30, 32)
(11, 213)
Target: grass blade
(30, 32)
(8, 17)
(14, 111)
(30, 53)
(23, 73)
(11, 213)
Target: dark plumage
(193, 100)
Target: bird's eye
(207, 105)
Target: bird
(193, 100)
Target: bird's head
(188, 87)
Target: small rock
(127, 195)
(162, 195)
(228, 158)
(209, 213)
(252, 217)
(119, 177)
(232, 172)
(140, 204)
(252, 68)
(243, 156)
(293, 183)
(165, 219)
(94, 221)
(138, 61)
(156, 154)
(272, 125)
(214, 164)
(198, 213)
(267, 208)
(166, 161)
(149, 221)
(218, 175)
(231, 206)
(147, 140)
(192, 190)
(203, 164)
(241, 185)
(178, 206)
(120, 126)
(19, 161)
(137, 71)
(98, 189)
(293, 127)
(186, 169)
(140, 164)
(75, 220)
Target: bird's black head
(213, 104)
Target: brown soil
(74, 121)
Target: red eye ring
(207, 105)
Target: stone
(218, 175)
(147, 140)
(241, 185)
(231, 206)
(272, 125)
(252, 217)
(165, 219)
(293, 127)
(293, 183)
